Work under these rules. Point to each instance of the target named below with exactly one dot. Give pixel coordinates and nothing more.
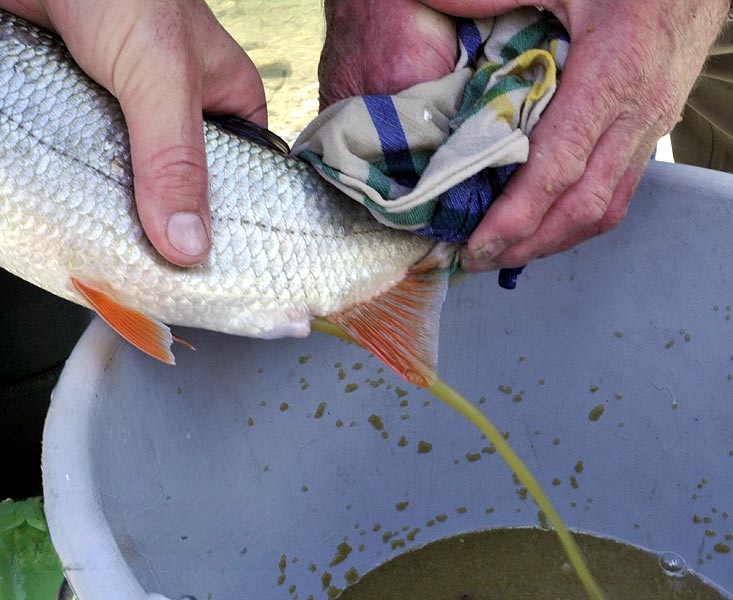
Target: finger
(617, 208)
(584, 204)
(31, 10)
(351, 64)
(237, 90)
(592, 206)
(160, 96)
(170, 176)
(232, 84)
(560, 146)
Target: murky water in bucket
(516, 564)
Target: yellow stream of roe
(457, 402)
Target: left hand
(166, 61)
(628, 73)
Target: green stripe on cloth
(482, 100)
(525, 39)
(378, 180)
(409, 219)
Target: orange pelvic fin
(150, 336)
(401, 326)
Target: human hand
(629, 70)
(166, 62)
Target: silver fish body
(286, 246)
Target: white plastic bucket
(197, 479)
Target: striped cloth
(432, 158)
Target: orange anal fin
(401, 326)
(150, 336)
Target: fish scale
(285, 245)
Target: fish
(289, 254)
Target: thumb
(170, 171)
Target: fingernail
(187, 234)
(472, 264)
(478, 266)
(489, 249)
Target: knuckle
(586, 211)
(177, 170)
(519, 223)
(596, 204)
(570, 156)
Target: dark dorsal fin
(251, 131)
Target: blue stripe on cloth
(392, 138)
(470, 36)
(459, 210)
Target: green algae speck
(596, 412)
(376, 422)
(351, 576)
(342, 553)
(424, 447)
(326, 579)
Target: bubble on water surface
(672, 564)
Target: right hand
(166, 62)
(628, 72)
